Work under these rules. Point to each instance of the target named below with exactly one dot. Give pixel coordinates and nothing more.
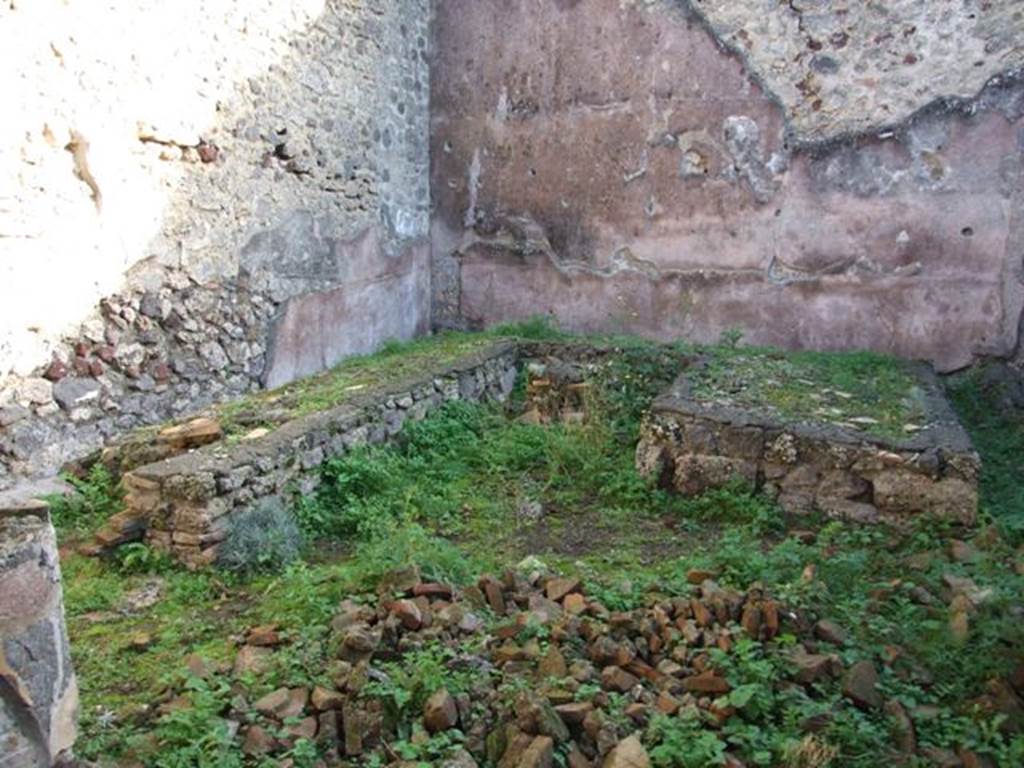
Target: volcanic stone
(860, 685)
(440, 713)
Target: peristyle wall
(199, 198)
(825, 175)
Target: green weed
(998, 435)
(96, 498)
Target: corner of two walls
(205, 198)
(198, 199)
(819, 178)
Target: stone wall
(198, 198)
(38, 693)
(692, 446)
(818, 174)
(185, 505)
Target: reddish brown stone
(707, 682)
(324, 699)
(408, 613)
(264, 636)
(557, 589)
(258, 741)
(440, 713)
(575, 713)
(432, 591)
(55, 371)
(617, 679)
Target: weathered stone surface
(283, 703)
(848, 71)
(38, 692)
(192, 434)
(662, 180)
(860, 685)
(628, 753)
(696, 474)
(811, 667)
(539, 754)
(72, 393)
(706, 682)
(440, 713)
(185, 503)
(839, 470)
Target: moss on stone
(874, 393)
(394, 362)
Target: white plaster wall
(112, 71)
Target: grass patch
(997, 432)
(94, 499)
(860, 390)
(393, 362)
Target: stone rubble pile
(553, 670)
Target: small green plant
(136, 557)
(997, 431)
(731, 337)
(263, 538)
(407, 543)
(304, 754)
(418, 675)
(684, 742)
(737, 502)
(535, 328)
(197, 736)
(94, 499)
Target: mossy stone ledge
(185, 504)
(692, 442)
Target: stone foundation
(185, 504)
(38, 692)
(693, 446)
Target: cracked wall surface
(199, 198)
(622, 167)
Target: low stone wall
(693, 446)
(38, 692)
(185, 504)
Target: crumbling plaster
(624, 166)
(181, 178)
(848, 67)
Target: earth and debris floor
(562, 612)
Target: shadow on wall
(181, 177)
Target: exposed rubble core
(263, 175)
(843, 68)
